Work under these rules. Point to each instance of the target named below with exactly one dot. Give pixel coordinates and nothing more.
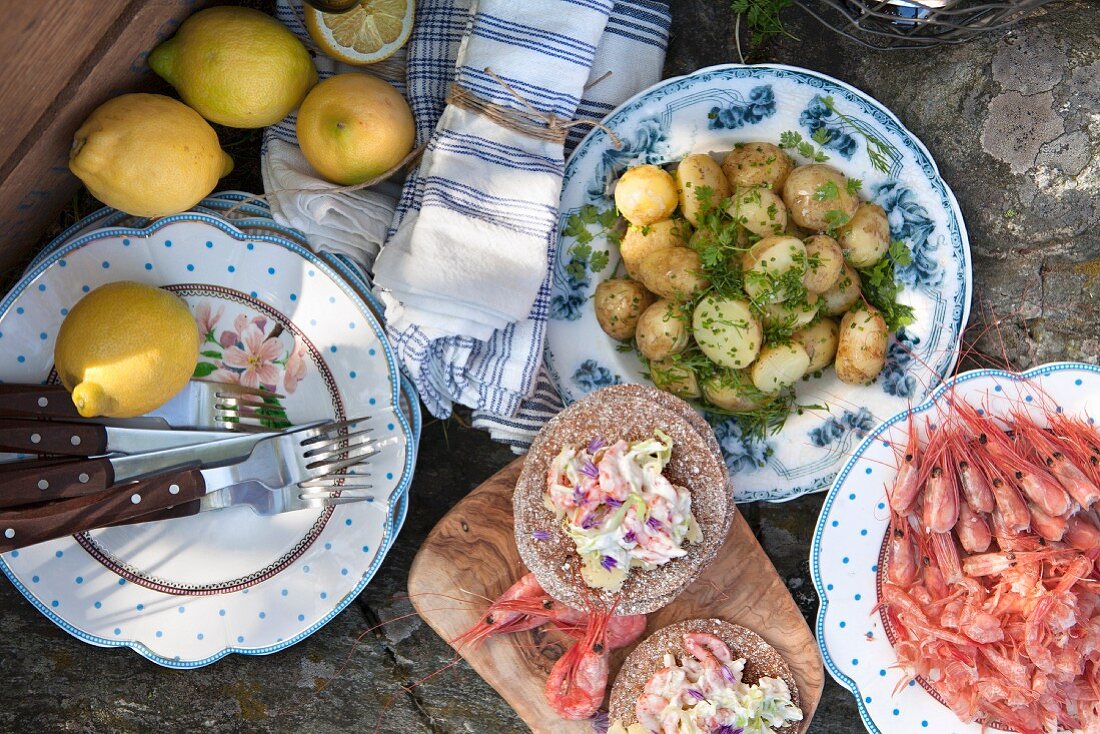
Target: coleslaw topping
(619, 508)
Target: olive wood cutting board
(471, 555)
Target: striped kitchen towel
(633, 50)
(350, 223)
(464, 273)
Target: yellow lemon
(354, 127)
(148, 155)
(236, 66)
(125, 349)
(365, 35)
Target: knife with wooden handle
(44, 481)
(92, 439)
(51, 520)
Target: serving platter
(471, 556)
(848, 541)
(186, 592)
(709, 111)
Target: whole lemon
(236, 66)
(125, 349)
(353, 127)
(148, 155)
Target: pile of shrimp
(577, 683)
(990, 578)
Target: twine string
(529, 120)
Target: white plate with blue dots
(187, 592)
(848, 542)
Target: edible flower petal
(608, 563)
(540, 535)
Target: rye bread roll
(761, 661)
(613, 415)
(692, 416)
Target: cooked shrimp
(578, 680)
(972, 529)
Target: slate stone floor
(1013, 120)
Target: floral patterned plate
(184, 593)
(710, 110)
(848, 542)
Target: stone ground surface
(1014, 123)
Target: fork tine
(231, 389)
(323, 468)
(256, 409)
(240, 426)
(335, 428)
(337, 445)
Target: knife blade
(93, 439)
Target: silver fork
(228, 406)
(303, 457)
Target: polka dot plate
(186, 592)
(848, 542)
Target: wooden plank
(472, 553)
(36, 182)
(42, 45)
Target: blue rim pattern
(392, 525)
(815, 546)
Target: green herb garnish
(881, 289)
(793, 140)
(582, 256)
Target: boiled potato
(619, 303)
(766, 262)
(662, 330)
(646, 194)
(674, 272)
(759, 211)
(861, 351)
(844, 293)
(779, 366)
(792, 314)
(732, 390)
(726, 330)
(813, 191)
(755, 164)
(673, 377)
(866, 237)
(824, 263)
(640, 241)
(694, 172)
(820, 342)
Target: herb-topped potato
(752, 264)
(819, 197)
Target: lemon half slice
(368, 34)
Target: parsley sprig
(793, 140)
(582, 255)
(762, 17)
(881, 289)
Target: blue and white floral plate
(710, 110)
(848, 542)
(184, 593)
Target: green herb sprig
(878, 150)
(762, 17)
(793, 140)
(582, 255)
(881, 289)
